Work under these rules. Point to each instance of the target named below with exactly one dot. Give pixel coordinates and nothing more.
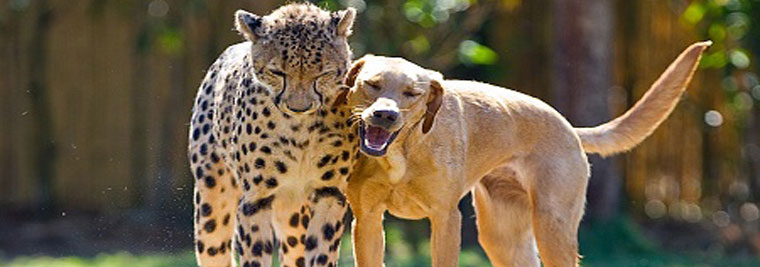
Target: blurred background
(95, 99)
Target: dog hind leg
(558, 196)
(503, 220)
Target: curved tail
(628, 130)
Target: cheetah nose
(301, 110)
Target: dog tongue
(376, 137)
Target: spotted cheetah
(270, 144)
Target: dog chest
(404, 202)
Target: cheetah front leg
(216, 197)
(254, 239)
(292, 234)
(325, 229)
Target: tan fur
(628, 130)
(525, 164)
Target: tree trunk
(582, 78)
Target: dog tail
(628, 130)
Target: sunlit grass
(121, 259)
(615, 244)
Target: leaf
(171, 41)
(739, 58)
(694, 13)
(471, 52)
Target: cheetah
(270, 141)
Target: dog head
(392, 95)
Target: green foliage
(428, 13)
(734, 27)
(328, 4)
(694, 13)
(171, 40)
(728, 24)
(471, 52)
(437, 34)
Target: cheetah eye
(324, 73)
(277, 72)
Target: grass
(615, 244)
(105, 260)
(620, 243)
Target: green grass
(105, 260)
(620, 243)
(617, 244)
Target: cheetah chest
(292, 155)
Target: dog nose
(386, 114)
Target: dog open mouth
(375, 140)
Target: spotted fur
(270, 145)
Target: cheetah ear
(251, 26)
(346, 21)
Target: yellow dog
(429, 141)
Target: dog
(428, 141)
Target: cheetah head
(300, 52)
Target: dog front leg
(368, 238)
(446, 239)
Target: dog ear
(435, 99)
(354, 71)
(342, 97)
(250, 25)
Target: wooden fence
(95, 96)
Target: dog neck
(394, 163)
(395, 160)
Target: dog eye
(277, 72)
(411, 94)
(373, 86)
